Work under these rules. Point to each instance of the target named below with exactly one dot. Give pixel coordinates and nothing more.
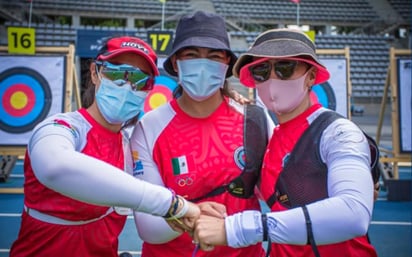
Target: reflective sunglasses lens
(285, 69)
(144, 84)
(260, 72)
(123, 73)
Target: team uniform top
(192, 156)
(345, 151)
(98, 238)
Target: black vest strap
(309, 231)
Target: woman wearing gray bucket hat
(194, 143)
(315, 179)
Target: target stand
(398, 89)
(32, 87)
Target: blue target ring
(325, 95)
(33, 95)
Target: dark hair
(90, 88)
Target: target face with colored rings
(160, 94)
(323, 93)
(25, 99)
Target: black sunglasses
(283, 69)
(122, 73)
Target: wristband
(181, 212)
(173, 205)
(184, 209)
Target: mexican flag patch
(180, 165)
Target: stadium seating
(346, 12)
(369, 57)
(369, 53)
(149, 9)
(403, 8)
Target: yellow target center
(18, 100)
(156, 100)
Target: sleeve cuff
(243, 229)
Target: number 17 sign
(21, 40)
(161, 41)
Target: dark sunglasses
(283, 69)
(122, 73)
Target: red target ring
(25, 99)
(18, 100)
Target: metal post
(163, 14)
(31, 8)
(297, 13)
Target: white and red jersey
(98, 238)
(340, 142)
(192, 156)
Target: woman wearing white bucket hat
(319, 186)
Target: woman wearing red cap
(317, 182)
(77, 183)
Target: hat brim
(276, 48)
(112, 54)
(246, 78)
(206, 42)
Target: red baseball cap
(120, 45)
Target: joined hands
(205, 222)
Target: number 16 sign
(21, 40)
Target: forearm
(289, 227)
(93, 181)
(153, 229)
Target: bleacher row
(348, 11)
(369, 55)
(403, 7)
(317, 12)
(103, 8)
(369, 59)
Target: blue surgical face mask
(118, 104)
(201, 78)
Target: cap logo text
(135, 45)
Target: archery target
(404, 67)
(160, 94)
(25, 97)
(31, 89)
(323, 93)
(334, 93)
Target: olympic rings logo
(187, 181)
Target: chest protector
(305, 171)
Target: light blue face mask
(118, 104)
(201, 78)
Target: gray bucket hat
(283, 43)
(201, 29)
